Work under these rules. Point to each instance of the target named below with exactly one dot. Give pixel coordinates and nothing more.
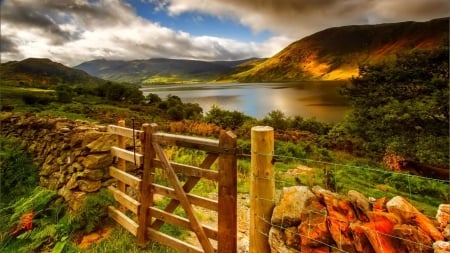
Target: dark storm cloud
(7, 45)
(302, 17)
(49, 17)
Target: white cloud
(73, 31)
(79, 31)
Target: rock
(360, 240)
(446, 232)
(340, 216)
(443, 215)
(73, 199)
(289, 208)
(293, 239)
(97, 161)
(77, 166)
(410, 215)
(360, 203)
(89, 137)
(380, 243)
(94, 174)
(441, 247)
(313, 230)
(48, 168)
(104, 143)
(415, 240)
(89, 186)
(277, 242)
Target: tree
(403, 107)
(152, 99)
(64, 94)
(226, 119)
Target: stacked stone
(73, 155)
(318, 220)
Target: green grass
(120, 241)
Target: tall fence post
(146, 191)
(262, 188)
(121, 164)
(227, 231)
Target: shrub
(18, 175)
(33, 99)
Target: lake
(319, 99)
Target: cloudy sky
(74, 31)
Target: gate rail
(146, 219)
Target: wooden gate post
(227, 229)
(262, 188)
(146, 192)
(121, 164)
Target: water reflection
(306, 99)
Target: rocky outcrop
(318, 220)
(73, 155)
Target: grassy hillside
(160, 70)
(335, 53)
(43, 73)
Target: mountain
(161, 70)
(335, 53)
(43, 72)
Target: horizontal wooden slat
(123, 220)
(180, 221)
(172, 242)
(127, 201)
(193, 199)
(191, 170)
(188, 142)
(125, 177)
(127, 155)
(123, 131)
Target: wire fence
(426, 194)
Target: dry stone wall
(73, 155)
(317, 220)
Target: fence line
(338, 164)
(374, 181)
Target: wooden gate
(139, 215)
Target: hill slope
(160, 70)
(335, 53)
(43, 72)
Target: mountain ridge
(43, 72)
(157, 70)
(336, 52)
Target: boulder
(443, 219)
(103, 143)
(97, 161)
(94, 174)
(277, 242)
(313, 230)
(360, 203)
(289, 208)
(360, 240)
(414, 239)
(293, 239)
(340, 216)
(441, 247)
(89, 186)
(410, 215)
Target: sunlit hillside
(336, 53)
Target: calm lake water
(306, 99)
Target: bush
(33, 99)
(18, 175)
